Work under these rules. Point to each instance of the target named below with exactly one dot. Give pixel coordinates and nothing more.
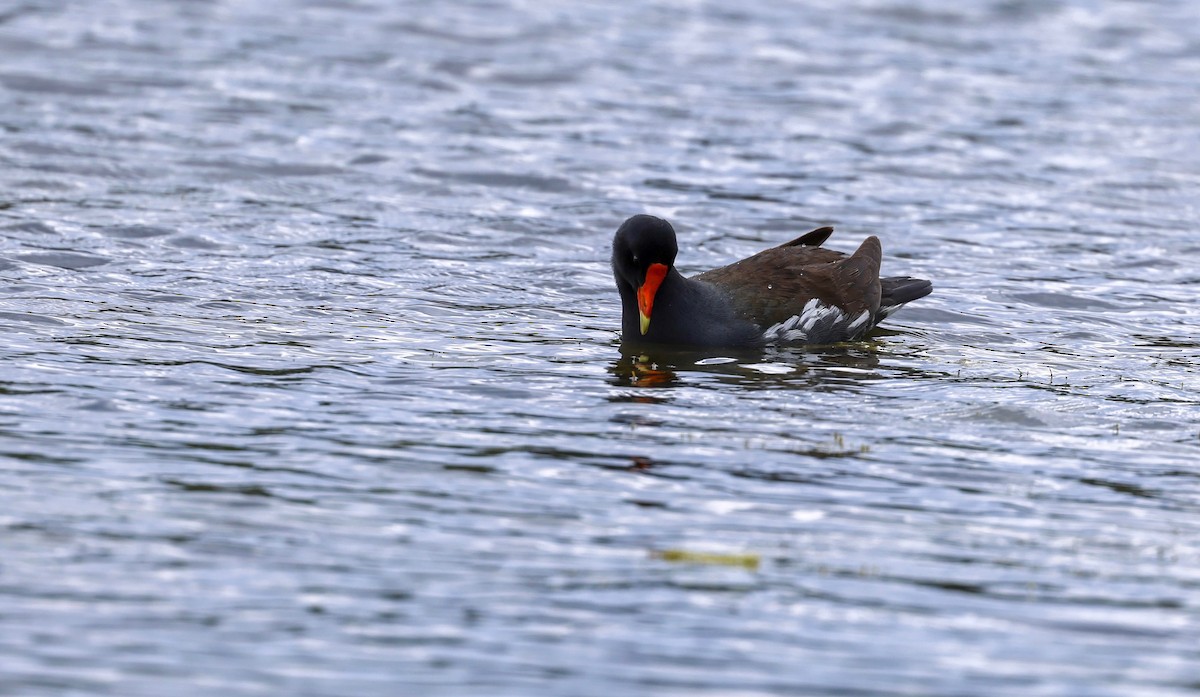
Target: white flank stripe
(858, 321)
(798, 327)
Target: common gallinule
(796, 293)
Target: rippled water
(311, 381)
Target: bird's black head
(641, 241)
(644, 250)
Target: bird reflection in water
(657, 368)
(644, 371)
(824, 367)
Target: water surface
(312, 385)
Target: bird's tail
(898, 290)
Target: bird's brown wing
(775, 284)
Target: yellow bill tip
(645, 322)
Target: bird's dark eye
(635, 259)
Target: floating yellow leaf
(748, 561)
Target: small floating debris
(716, 360)
(746, 561)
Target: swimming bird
(796, 293)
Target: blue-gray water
(310, 381)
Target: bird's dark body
(798, 292)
